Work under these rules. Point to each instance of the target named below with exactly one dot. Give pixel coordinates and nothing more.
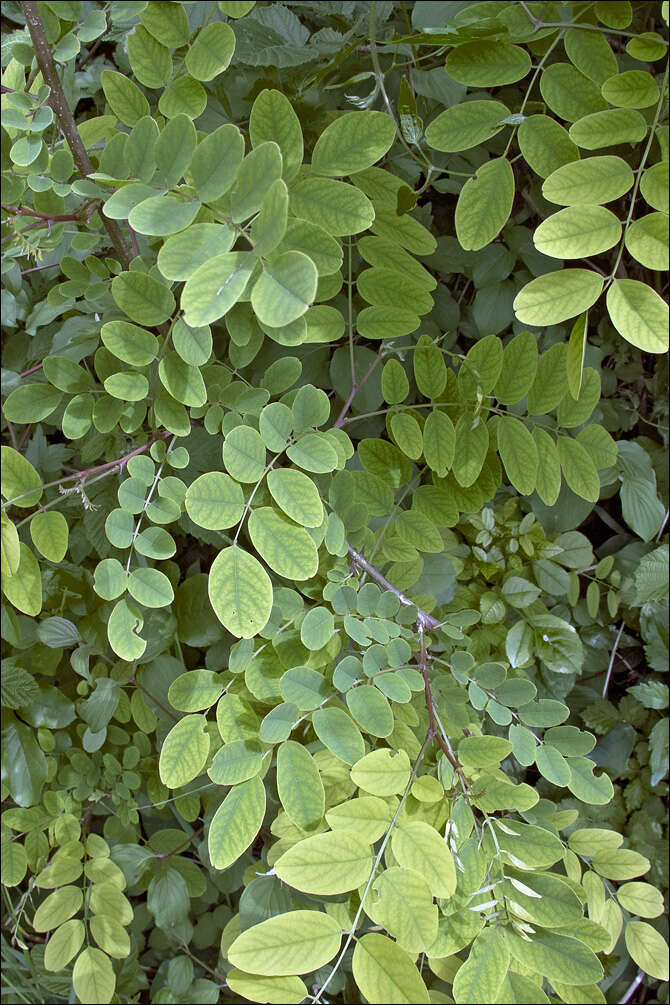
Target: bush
(334, 541)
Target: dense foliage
(334, 521)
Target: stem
(378, 859)
(355, 388)
(632, 989)
(424, 620)
(663, 526)
(134, 680)
(638, 177)
(433, 732)
(61, 110)
(107, 468)
(610, 667)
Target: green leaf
(382, 772)
(295, 942)
(569, 93)
(58, 907)
(353, 142)
(316, 628)
(384, 972)
(577, 232)
(326, 864)
(391, 289)
(407, 434)
(285, 289)
(65, 374)
(215, 287)
(23, 589)
(642, 899)
(631, 89)
(639, 314)
(585, 785)
(184, 751)
(485, 202)
(195, 690)
(273, 119)
(259, 169)
(110, 936)
(371, 710)
(299, 785)
(647, 241)
(518, 453)
(466, 125)
(93, 977)
(486, 63)
(395, 385)
(244, 454)
(236, 823)
(150, 587)
(240, 592)
(287, 549)
(430, 371)
(182, 96)
(142, 298)
(129, 343)
(654, 187)
(127, 386)
(557, 957)
(552, 765)
(591, 53)
(339, 208)
(439, 442)
(167, 22)
(216, 161)
(620, 863)
(19, 477)
(297, 495)
(211, 51)
(418, 846)
(214, 501)
(545, 144)
(608, 129)
(575, 357)
(150, 61)
(122, 625)
(336, 730)
(269, 227)
(481, 976)
(31, 403)
(648, 949)
(557, 296)
(313, 452)
(125, 98)
(235, 762)
(183, 382)
(64, 944)
(405, 907)
(593, 181)
(519, 367)
(162, 215)
(572, 413)
(472, 443)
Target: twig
(32, 369)
(433, 732)
(61, 109)
(134, 680)
(609, 669)
(632, 989)
(355, 388)
(108, 467)
(378, 858)
(663, 526)
(423, 619)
